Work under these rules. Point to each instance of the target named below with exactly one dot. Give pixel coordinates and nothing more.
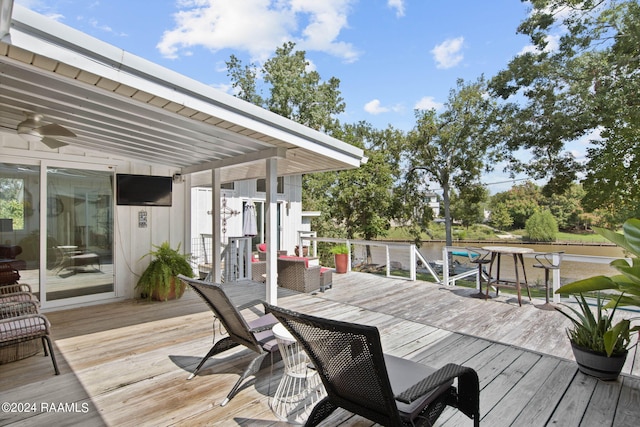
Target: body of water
(571, 268)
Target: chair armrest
(17, 296)
(18, 287)
(23, 327)
(263, 327)
(468, 387)
(18, 308)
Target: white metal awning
(130, 108)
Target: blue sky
(391, 56)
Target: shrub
(542, 227)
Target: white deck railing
(411, 256)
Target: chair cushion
(403, 374)
(262, 247)
(266, 338)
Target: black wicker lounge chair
(255, 335)
(385, 389)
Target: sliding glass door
(60, 243)
(80, 233)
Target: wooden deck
(126, 363)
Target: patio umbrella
(250, 227)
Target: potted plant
(159, 281)
(599, 346)
(622, 289)
(341, 258)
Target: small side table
(300, 388)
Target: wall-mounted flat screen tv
(143, 190)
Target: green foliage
(566, 207)
(11, 204)
(359, 202)
(587, 85)
(467, 205)
(542, 227)
(166, 264)
(500, 217)
(339, 249)
(627, 283)
(598, 333)
(520, 201)
(453, 148)
(295, 90)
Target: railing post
(412, 262)
(445, 265)
(556, 277)
(388, 259)
(348, 256)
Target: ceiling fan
(33, 129)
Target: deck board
(128, 361)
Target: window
(261, 185)
(16, 202)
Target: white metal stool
(300, 388)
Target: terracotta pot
(598, 364)
(175, 292)
(342, 263)
(305, 251)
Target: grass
(481, 232)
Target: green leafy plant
(165, 265)
(628, 282)
(598, 332)
(339, 249)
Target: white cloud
(553, 43)
(428, 103)
(398, 5)
(447, 54)
(259, 26)
(375, 107)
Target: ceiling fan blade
(54, 129)
(53, 143)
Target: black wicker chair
(385, 389)
(255, 335)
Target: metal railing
(236, 257)
(406, 256)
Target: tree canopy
(451, 148)
(580, 81)
(354, 203)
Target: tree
(499, 216)
(566, 207)
(542, 227)
(467, 205)
(521, 201)
(359, 202)
(451, 149)
(295, 91)
(587, 84)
